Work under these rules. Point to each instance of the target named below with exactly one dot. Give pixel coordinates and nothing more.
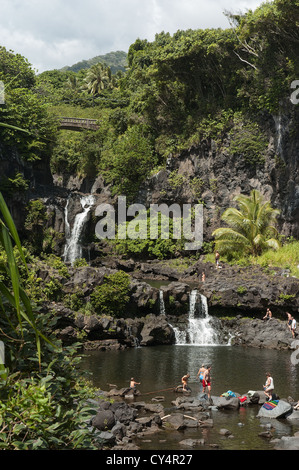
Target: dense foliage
(176, 91)
(42, 395)
(23, 109)
(251, 227)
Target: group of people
(204, 375)
(291, 321)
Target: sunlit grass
(286, 257)
(66, 110)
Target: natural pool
(160, 368)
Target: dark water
(233, 368)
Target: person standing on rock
(289, 320)
(200, 375)
(293, 327)
(133, 384)
(206, 382)
(269, 386)
(268, 315)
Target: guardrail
(78, 123)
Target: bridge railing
(78, 120)
(67, 122)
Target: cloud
(55, 33)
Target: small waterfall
(199, 330)
(161, 303)
(281, 128)
(73, 249)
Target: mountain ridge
(116, 60)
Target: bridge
(78, 124)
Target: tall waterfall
(73, 248)
(199, 329)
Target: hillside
(115, 60)
(199, 116)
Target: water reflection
(233, 368)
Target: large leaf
(17, 298)
(9, 126)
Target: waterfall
(161, 303)
(199, 329)
(73, 249)
(281, 129)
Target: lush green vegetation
(112, 297)
(285, 257)
(42, 395)
(251, 228)
(176, 91)
(117, 61)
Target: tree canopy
(251, 227)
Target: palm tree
(251, 229)
(98, 78)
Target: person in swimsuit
(133, 384)
(289, 320)
(200, 375)
(185, 382)
(293, 327)
(269, 386)
(268, 315)
(206, 382)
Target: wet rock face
(215, 176)
(237, 299)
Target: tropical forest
(203, 119)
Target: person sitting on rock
(185, 382)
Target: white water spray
(161, 303)
(73, 248)
(199, 329)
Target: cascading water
(73, 249)
(199, 330)
(161, 303)
(281, 130)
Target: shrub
(112, 296)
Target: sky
(52, 34)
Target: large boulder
(257, 397)
(175, 421)
(104, 420)
(226, 403)
(279, 411)
(156, 330)
(287, 443)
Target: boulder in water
(274, 409)
(226, 403)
